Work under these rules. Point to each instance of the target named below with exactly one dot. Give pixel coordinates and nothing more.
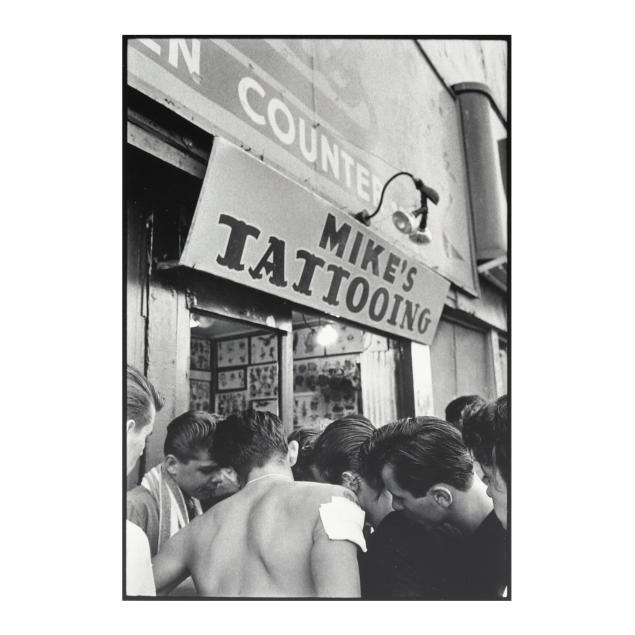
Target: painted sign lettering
(248, 230)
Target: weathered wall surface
(338, 116)
(483, 61)
(168, 361)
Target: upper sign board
(337, 116)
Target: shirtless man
(275, 537)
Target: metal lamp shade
(421, 237)
(405, 223)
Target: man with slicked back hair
(425, 465)
(276, 537)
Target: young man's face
(423, 510)
(377, 505)
(199, 477)
(497, 491)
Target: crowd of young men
(356, 511)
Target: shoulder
(490, 530)
(488, 544)
(139, 501)
(141, 507)
(140, 496)
(205, 524)
(323, 492)
(398, 534)
(394, 521)
(398, 529)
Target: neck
(471, 508)
(273, 469)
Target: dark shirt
(485, 563)
(406, 560)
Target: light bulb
(326, 335)
(205, 321)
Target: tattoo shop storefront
(250, 280)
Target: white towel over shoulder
(343, 520)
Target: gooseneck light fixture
(404, 222)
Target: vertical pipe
(487, 194)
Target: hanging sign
(256, 227)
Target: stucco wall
(483, 61)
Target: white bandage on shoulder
(343, 520)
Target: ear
(350, 480)
(442, 496)
(170, 462)
(130, 424)
(292, 452)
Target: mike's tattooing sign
(256, 227)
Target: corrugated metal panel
(378, 365)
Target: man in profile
(275, 537)
(425, 465)
(486, 433)
(142, 404)
(170, 493)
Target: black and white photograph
(331, 193)
(317, 317)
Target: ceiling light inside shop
(327, 335)
(201, 321)
(205, 321)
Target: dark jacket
(406, 560)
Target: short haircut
(486, 432)
(422, 451)
(454, 410)
(189, 434)
(306, 438)
(337, 448)
(141, 398)
(248, 439)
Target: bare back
(268, 541)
